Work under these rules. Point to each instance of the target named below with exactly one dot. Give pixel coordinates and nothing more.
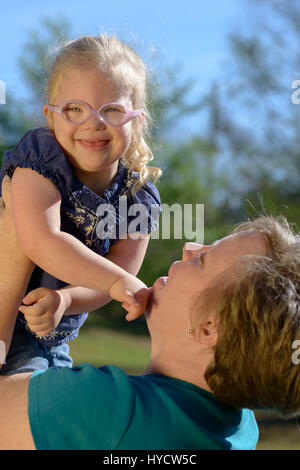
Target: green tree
(37, 56)
(16, 118)
(253, 120)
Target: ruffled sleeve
(40, 151)
(144, 210)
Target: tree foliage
(254, 121)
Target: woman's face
(169, 312)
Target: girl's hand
(133, 294)
(43, 310)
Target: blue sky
(189, 33)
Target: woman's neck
(192, 372)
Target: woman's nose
(192, 250)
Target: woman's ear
(207, 333)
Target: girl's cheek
(126, 129)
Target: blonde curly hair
(111, 56)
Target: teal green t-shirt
(89, 408)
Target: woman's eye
(201, 257)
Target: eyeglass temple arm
(53, 108)
(136, 112)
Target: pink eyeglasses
(111, 114)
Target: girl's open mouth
(93, 145)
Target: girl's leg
(25, 353)
(15, 271)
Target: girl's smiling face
(92, 147)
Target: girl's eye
(74, 109)
(113, 110)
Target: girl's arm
(36, 210)
(50, 305)
(128, 254)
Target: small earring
(190, 331)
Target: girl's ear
(45, 111)
(48, 116)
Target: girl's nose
(192, 250)
(94, 123)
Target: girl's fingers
(133, 312)
(38, 326)
(36, 321)
(131, 300)
(132, 316)
(24, 310)
(35, 310)
(34, 295)
(41, 331)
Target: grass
(102, 346)
(277, 433)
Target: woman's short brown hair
(258, 317)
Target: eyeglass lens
(78, 112)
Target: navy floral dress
(40, 151)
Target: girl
(93, 153)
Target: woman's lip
(159, 284)
(93, 145)
(163, 280)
